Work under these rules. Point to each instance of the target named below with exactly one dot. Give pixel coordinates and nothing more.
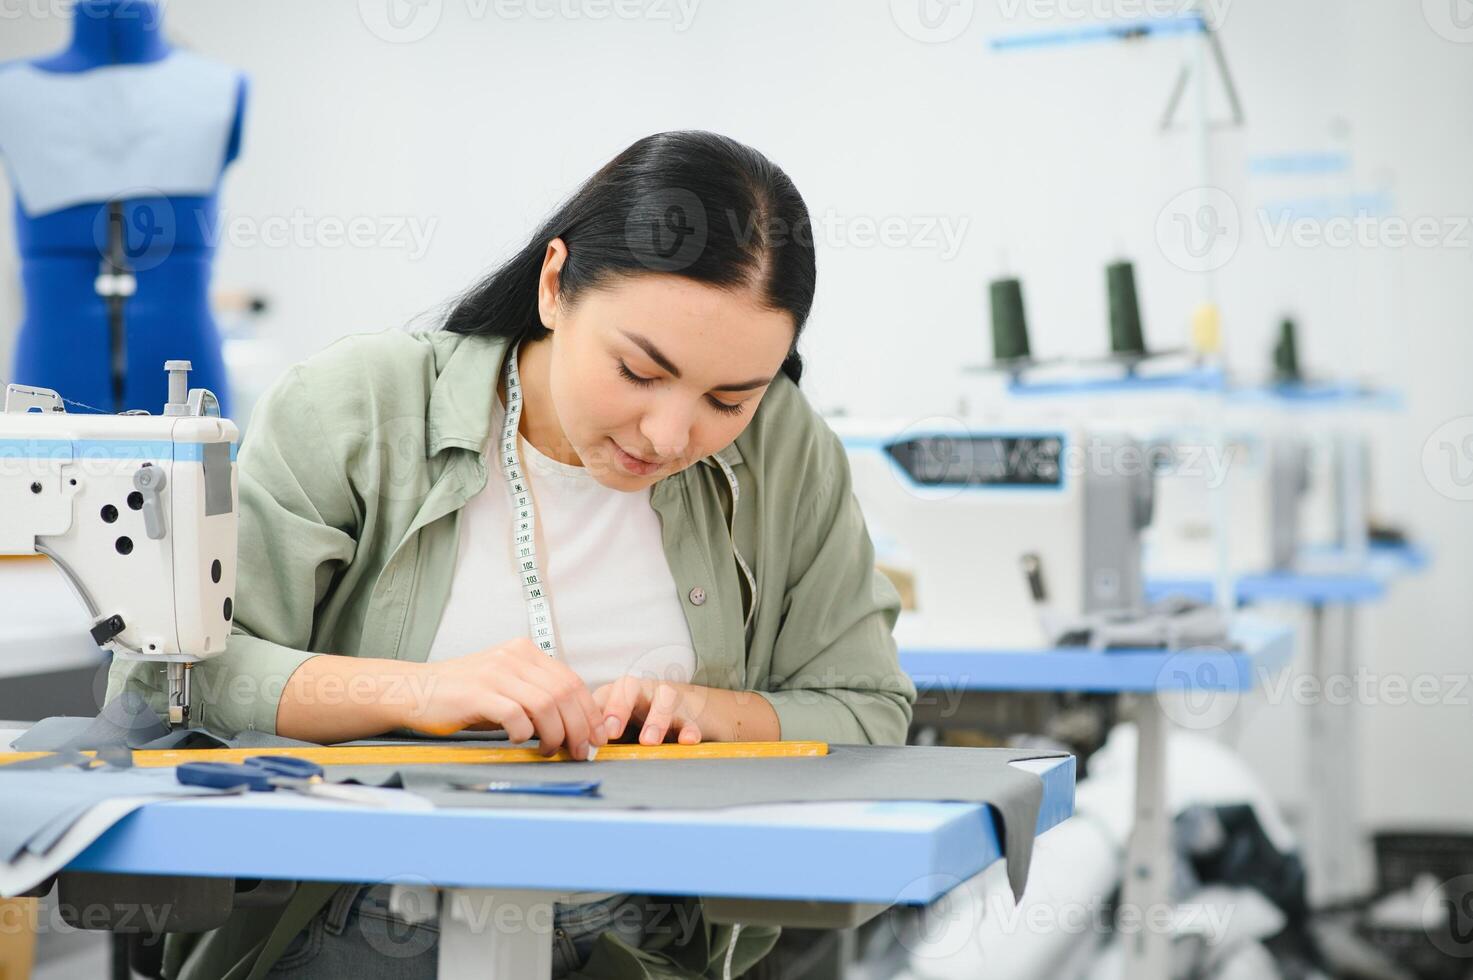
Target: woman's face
(657, 366)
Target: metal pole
(1146, 897)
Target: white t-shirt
(615, 608)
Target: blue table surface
(1310, 588)
(884, 853)
(1263, 647)
(1326, 577)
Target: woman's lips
(632, 463)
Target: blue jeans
(355, 935)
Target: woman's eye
(717, 404)
(726, 409)
(629, 375)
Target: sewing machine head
(1261, 479)
(137, 511)
(1016, 533)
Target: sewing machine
(137, 511)
(1264, 478)
(1023, 538)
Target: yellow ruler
(416, 755)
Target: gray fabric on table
(848, 773)
(44, 797)
(40, 806)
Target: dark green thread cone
(1286, 354)
(1126, 337)
(1009, 323)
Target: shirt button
(697, 596)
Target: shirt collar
(459, 412)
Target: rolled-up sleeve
(836, 676)
(297, 524)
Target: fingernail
(612, 726)
(592, 754)
(649, 734)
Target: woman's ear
(547, 282)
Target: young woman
(594, 506)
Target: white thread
(736, 932)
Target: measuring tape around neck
(524, 545)
(524, 517)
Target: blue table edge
(1263, 648)
(1329, 577)
(571, 850)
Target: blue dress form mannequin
(115, 147)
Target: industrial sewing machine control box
(137, 511)
(1253, 482)
(1021, 537)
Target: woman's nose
(667, 427)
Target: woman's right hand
(513, 686)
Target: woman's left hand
(661, 709)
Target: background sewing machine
(1264, 477)
(1023, 538)
(137, 511)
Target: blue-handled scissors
(265, 773)
(261, 773)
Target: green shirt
(351, 480)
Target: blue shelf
(1263, 647)
(1096, 33)
(1316, 396)
(1402, 558)
(1200, 379)
(1328, 588)
(1319, 395)
(1383, 561)
(1299, 164)
(1330, 577)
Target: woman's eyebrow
(664, 362)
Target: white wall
(1050, 162)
